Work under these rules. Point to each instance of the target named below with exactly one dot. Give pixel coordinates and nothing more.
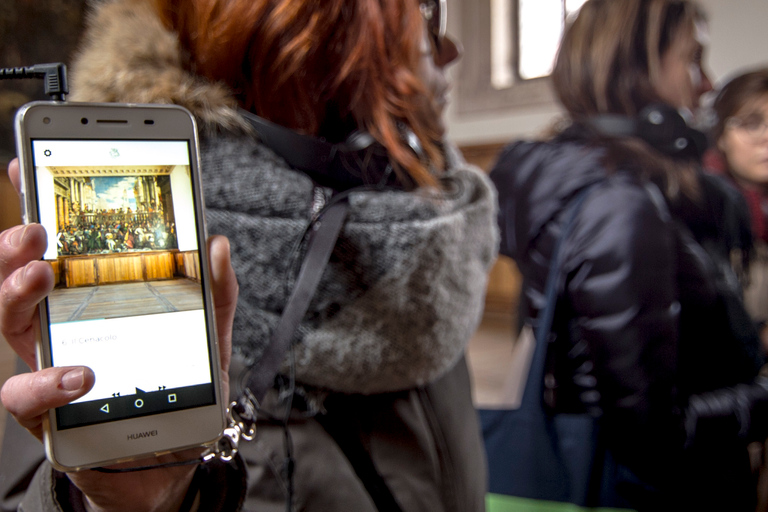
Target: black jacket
(649, 311)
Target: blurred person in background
(656, 340)
(740, 153)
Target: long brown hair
(322, 68)
(610, 61)
(610, 56)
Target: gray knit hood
(404, 290)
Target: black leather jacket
(649, 310)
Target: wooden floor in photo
(130, 299)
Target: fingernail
(17, 236)
(73, 380)
(19, 279)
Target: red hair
(322, 68)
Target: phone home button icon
(139, 403)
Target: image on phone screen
(124, 243)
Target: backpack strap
(260, 377)
(535, 381)
(342, 424)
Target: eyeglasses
(753, 128)
(434, 13)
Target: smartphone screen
(124, 243)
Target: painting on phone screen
(120, 229)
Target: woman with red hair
(371, 409)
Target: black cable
(189, 462)
(54, 74)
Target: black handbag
(535, 455)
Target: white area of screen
(144, 352)
(80, 153)
(110, 152)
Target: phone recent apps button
(171, 398)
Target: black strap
(358, 161)
(261, 376)
(342, 425)
(535, 381)
(534, 386)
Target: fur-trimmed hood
(128, 56)
(405, 287)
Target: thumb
(225, 289)
(28, 396)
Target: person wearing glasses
(372, 408)
(740, 136)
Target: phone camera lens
(84, 120)
(46, 120)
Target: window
(510, 47)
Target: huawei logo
(140, 435)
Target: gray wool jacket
(403, 292)
(385, 334)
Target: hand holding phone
(25, 282)
(25, 315)
(117, 189)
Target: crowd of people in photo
(119, 233)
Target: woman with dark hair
(377, 362)
(740, 135)
(651, 334)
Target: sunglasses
(434, 13)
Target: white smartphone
(117, 188)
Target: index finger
(19, 245)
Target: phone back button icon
(105, 408)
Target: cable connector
(54, 74)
